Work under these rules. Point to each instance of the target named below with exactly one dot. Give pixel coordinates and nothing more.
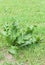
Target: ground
(29, 12)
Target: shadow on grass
(26, 49)
(31, 46)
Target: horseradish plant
(17, 36)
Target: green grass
(29, 12)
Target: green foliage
(13, 50)
(20, 36)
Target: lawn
(28, 12)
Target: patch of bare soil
(1, 61)
(7, 57)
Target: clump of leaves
(19, 36)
